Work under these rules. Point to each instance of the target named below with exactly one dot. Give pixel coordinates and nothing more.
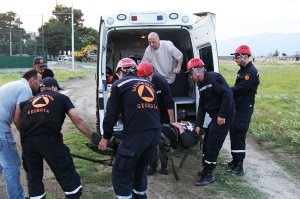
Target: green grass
(62, 75)
(95, 178)
(88, 63)
(228, 186)
(276, 116)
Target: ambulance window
(207, 58)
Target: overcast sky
(233, 17)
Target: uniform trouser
(129, 172)
(239, 130)
(10, 163)
(214, 139)
(57, 155)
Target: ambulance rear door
(101, 84)
(205, 46)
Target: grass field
(276, 117)
(62, 75)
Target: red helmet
(194, 63)
(242, 50)
(125, 63)
(144, 69)
(109, 78)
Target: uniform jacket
(164, 97)
(136, 100)
(246, 84)
(215, 98)
(244, 91)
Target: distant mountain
(262, 44)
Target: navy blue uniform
(41, 120)
(164, 97)
(215, 99)
(136, 100)
(244, 92)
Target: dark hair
(30, 73)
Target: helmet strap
(149, 77)
(243, 57)
(202, 69)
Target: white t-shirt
(164, 60)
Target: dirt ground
(261, 171)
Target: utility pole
(10, 45)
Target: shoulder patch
(247, 76)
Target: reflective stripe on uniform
(124, 197)
(38, 197)
(75, 191)
(210, 162)
(238, 151)
(139, 192)
(129, 80)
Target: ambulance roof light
(110, 20)
(185, 19)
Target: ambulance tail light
(134, 18)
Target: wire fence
(17, 42)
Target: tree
(276, 53)
(55, 34)
(89, 36)
(57, 31)
(10, 28)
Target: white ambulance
(125, 35)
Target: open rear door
(205, 46)
(101, 85)
(205, 40)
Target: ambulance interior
(133, 42)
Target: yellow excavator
(87, 53)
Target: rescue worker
(42, 118)
(244, 91)
(136, 100)
(165, 104)
(215, 99)
(40, 64)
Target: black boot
(237, 169)
(152, 168)
(200, 173)
(208, 176)
(231, 164)
(164, 167)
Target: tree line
(53, 37)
